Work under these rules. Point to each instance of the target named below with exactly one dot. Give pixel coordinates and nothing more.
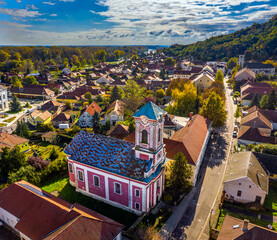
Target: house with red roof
(87, 113)
(124, 174)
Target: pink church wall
(81, 184)
(119, 198)
(100, 191)
(71, 175)
(137, 199)
(144, 157)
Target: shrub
(37, 162)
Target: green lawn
(44, 149)
(271, 198)
(68, 193)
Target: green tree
(131, 127)
(4, 56)
(30, 80)
(133, 95)
(184, 101)
(16, 82)
(232, 63)
(96, 125)
(15, 105)
(160, 93)
(255, 100)
(89, 62)
(115, 95)
(176, 83)
(236, 95)
(27, 173)
(162, 74)
(22, 129)
(180, 174)
(169, 61)
(10, 160)
(219, 76)
(264, 102)
(88, 96)
(53, 154)
(83, 63)
(27, 66)
(237, 113)
(272, 100)
(214, 109)
(69, 105)
(100, 55)
(17, 56)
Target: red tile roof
(40, 214)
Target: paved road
(195, 223)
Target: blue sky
(125, 22)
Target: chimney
(245, 225)
(190, 115)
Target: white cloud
(49, 3)
(32, 6)
(18, 1)
(53, 15)
(67, 0)
(19, 12)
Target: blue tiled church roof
(151, 111)
(109, 154)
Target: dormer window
(144, 136)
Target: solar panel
(35, 190)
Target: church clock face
(144, 120)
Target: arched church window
(159, 135)
(144, 136)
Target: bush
(37, 162)
(167, 198)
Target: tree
(264, 102)
(88, 96)
(115, 95)
(30, 80)
(184, 101)
(27, 173)
(272, 100)
(255, 100)
(27, 66)
(100, 55)
(83, 63)
(37, 162)
(17, 56)
(4, 56)
(131, 127)
(96, 125)
(176, 83)
(54, 154)
(90, 62)
(22, 129)
(237, 113)
(69, 105)
(236, 95)
(169, 61)
(16, 82)
(10, 160)
(160, 93)
(219, 76)
(180, 174)
(214, 109)
(162, 74)
(15, 105)
(232, 63)
(133, 95)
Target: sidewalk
(170, 225)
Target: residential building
(35, 214)
(11, 140)
(257, 126)
(123, 174)
(246, 180)
(33, 91)
(3, 98)
(85, 119)
(61, 118)
(261, 68)
(203, 80)
(245, 75)
(234, 228)
(115, 113)
(49, 137)
(119, 131)
(39, 117)
(53, 107)
(106, 79)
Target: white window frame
(136, 203)
(79, 175)
(119, 188)
(137, 190)
(70, 164)
(95, 176)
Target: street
(195, 224)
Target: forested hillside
(258, 42)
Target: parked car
(234, 134)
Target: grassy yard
(44, 149)
(65, 191)
(271, 198)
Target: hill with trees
(257, 42)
